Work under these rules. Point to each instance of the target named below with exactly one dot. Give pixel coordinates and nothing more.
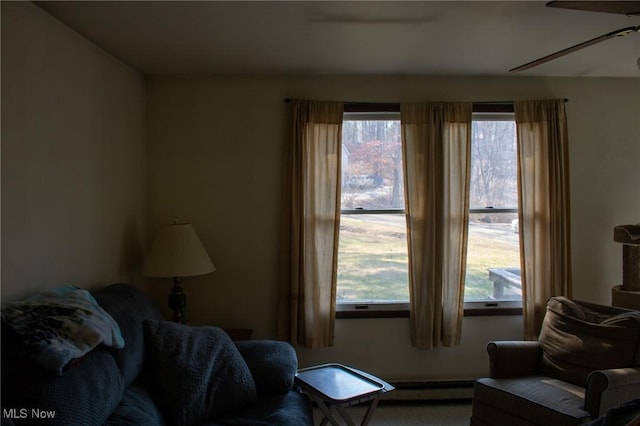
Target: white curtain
(544, 214)
(311, 222)
(436, 140)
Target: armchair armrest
(513, 358)
(609, 388)
(273, 364)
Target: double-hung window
(372, 254)
(493, 250)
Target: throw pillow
(573, 347)
(59, 327)
(198, 373)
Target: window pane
(493, 257)
(372, 165)
(372, 258)
(372, 255)
(493, 252)
(493, 165)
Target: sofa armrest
(609, 388)
(273, 364)
(513, 358)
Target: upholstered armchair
(586, 361)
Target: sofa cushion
(197, 372)
(577, 339)
(136, 408)
(285, 409)
(542, 400)
(85, 395)
(273, 364)
(129, 307)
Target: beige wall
(215, 158)
(74, 184)
(73, 196)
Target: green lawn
(488, 250)
(373, 258)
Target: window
(493, 252)
(372, 254)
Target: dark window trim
(404, 313)
(490, 106)
(497, 106)
(372, 313)
(487, 312)
(494, 210)
(371, 211)
(395, 107)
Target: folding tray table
(333, 387)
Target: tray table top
(339, 383)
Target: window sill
(372, 310)
(401, 310)
(492, 308)
(372, 313)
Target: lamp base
(178, 302)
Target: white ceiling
(357, 37)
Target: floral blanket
(60, 326)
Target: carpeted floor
(445, 413)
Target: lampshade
(177, 252)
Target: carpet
(413, 413)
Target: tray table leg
(327, 410)
(345, 415)
(370, 410)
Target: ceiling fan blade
(618, 33)
(621, 7)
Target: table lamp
(177, 252)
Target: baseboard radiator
(437, 390)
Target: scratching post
(628, 294)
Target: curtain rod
(488, 106)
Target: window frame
(493, 307)
(372, 309)
(359, 310)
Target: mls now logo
(23, 413)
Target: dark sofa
(141, 383)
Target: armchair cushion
(542, 400)
(579, 338)
(513, 358)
